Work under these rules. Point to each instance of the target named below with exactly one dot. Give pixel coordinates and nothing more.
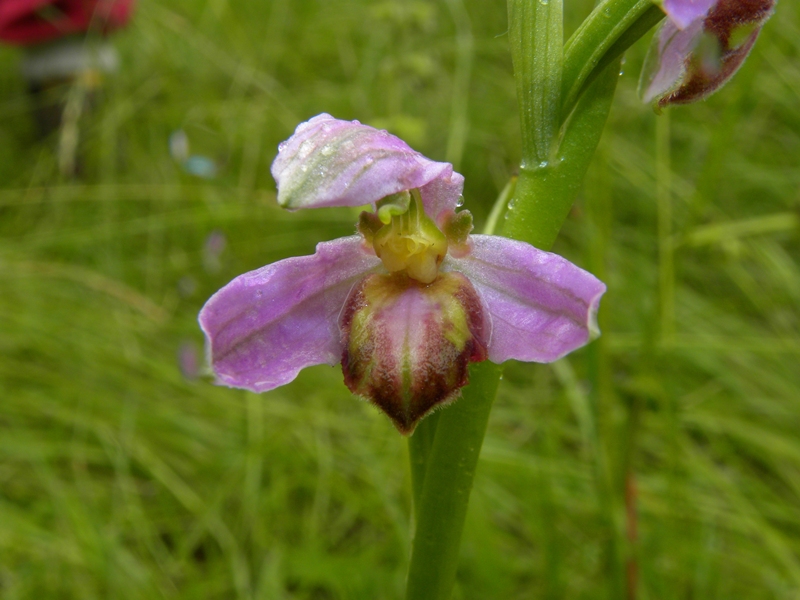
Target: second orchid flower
(700, 47)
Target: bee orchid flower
(405, 304)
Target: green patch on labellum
(408, 344)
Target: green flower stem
(544, 194)
(419, 449)
(611, 28)
(452, 459)
(536, 34)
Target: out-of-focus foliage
(122, 476)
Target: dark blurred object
(66, 54)
(63, 70)
(28, 22)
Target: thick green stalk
(452, 460)
(544, 193)
(536, 34)
(419, 448)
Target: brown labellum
(407, 345)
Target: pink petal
(541, 305)
(330, 162)
(266, 325)
(666, 63)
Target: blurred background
(662, 461)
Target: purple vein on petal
(546, 303)
(265, 326)
(330, 162)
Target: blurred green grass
(122, 478)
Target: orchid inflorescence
(407, 303)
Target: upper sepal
(330, 162)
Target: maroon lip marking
(409, 375)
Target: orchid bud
(689, 62)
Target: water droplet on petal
(326, 150)
(282, 146)
(543, 164)
(305, 149)
(460, 201)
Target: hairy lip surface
(407, 345)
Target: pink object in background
(28, 22)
